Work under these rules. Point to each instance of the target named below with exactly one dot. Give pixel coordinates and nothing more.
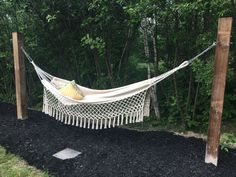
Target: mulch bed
(106, 153)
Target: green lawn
(13, 166)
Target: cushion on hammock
(71, 90)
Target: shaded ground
(112, 152)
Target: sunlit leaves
(50, 18)
(96, 43)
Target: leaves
(96, 43)
(100, 44)
(227, 141)
(204, 74)
(50, 18)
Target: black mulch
(112, 152)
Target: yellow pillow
(71, 90)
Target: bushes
(101, 42)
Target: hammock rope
(100, 108)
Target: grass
(13, 166)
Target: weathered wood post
(20, 82)
(218, 89)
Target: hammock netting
(96, 116)
(100, 108)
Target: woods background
(108, 43)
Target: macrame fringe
(146, 106)
(91, 123)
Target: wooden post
(20, 83)
(218, 89)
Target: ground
(113, 152)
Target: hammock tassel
(85, 121)
(46, 109)
(49, 110)
(80, 122)
(96, 124)
(114, 121)
(109, 123)
(43, 110)
(53, 112)
(61, 116)
(105, 124)
(101, 123)
(118, 120)
(122, 119)
(89, 123)
(126, 118)
(130, 117)
(73, 120)
(134, 117)
(64, 118)
(56, 115)
(93, 124)
(77, 122)
(139, 116)
(69, 120)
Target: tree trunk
(154, 89)
(125, 50)
(189, 92)
(195, 101)
(108, 59)
(145, 42)
(88, 63)
(176, 88)
(176, 28)
(96, 61)
(154, 39)
(155, 102)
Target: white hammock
(99, 108)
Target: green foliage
(203, 74)
(229, 106)
(96, 43)
(100, 44)
(203, 71)
(192, 124)
(227, 141)
(50, 18)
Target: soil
(113, 152)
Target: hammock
(99, 108)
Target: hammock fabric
(99, 108)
